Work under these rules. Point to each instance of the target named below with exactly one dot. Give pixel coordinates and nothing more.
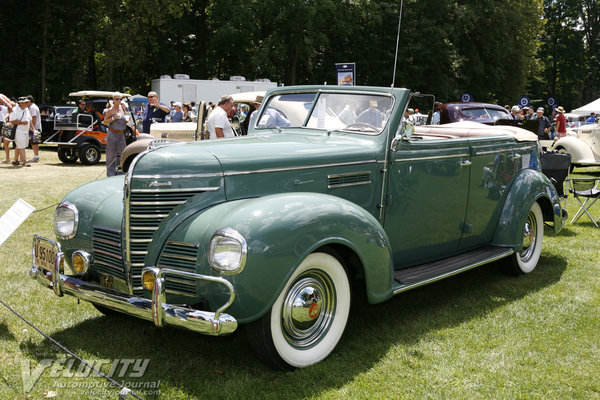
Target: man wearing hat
(544, 125)
(561, 122)
(176, 115)
(21, 118)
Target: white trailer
(181, 88)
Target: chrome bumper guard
(156, 309)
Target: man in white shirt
(22, 119)
(218, 124)
(36, 125)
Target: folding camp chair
(588, 189)
(556, 167)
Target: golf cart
(81, 135)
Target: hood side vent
(349, 179)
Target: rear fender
(530, 186)
(577, 148)
(280, 231)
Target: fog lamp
(148, 279)
(81, 261)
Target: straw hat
(560, 109)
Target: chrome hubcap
(529, 237)
(308, 308)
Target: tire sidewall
(308, 356)
(529, 265)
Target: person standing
(155, 112)
(218, 124)
(22, 119)
(561, 122)
(591, 119)
(188, 114)
(35, 129)
(4, 113)
(177, 114)
(544, 125)
(371, 115)
(114, 119)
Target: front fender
(281, 230)
(530, 186)
(579, 150)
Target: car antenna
(397, 42)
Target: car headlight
(227, 251)
(66, 219)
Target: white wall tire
(525, 261)
(308, 317)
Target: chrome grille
(147, 208)
(107, 252)
(182, 257)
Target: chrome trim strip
(178, 256)
(268, 170)
(156, 203)
(178, 293)
(177, 176)
(477, 153)
(349, 184)
(141, 240)
(106, 241)
(362, 173)
(106, 229)
(161, 266)
(145, 229)
(182, 244)
(149, 216)
(433, 157)
(455, 272)
(108, 253)
(100, 262)
(183, 190)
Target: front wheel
(307, 319)
(89, 154)
(526, 260)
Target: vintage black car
(483, 113)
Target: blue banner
(346, 74)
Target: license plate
(44, 253)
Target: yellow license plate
(45, 252)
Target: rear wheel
(526, 260)
(67, 155)
(307, 319)
(89, 154)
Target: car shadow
(217, 367)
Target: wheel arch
(282, 230)
(577, 148)
(529, 187)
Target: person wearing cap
(176, 114)
(155, 112)
(561, 122)
(114, 119)
(35, 129)
(22, 119)
(544, 125)
(371, 115)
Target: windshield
(486, 113)
(364, 113)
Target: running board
(410, 278)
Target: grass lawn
(479, 335)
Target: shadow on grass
(194, 365)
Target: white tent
(594, 106)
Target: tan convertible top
(474, 129)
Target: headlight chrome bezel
(227, 237)
(62, 207)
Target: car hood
(258, 158)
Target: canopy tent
(594, 106)
(138, 98)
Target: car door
(427, 193)
(494, 166)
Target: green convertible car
(331, 188)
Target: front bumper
(156, 309)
